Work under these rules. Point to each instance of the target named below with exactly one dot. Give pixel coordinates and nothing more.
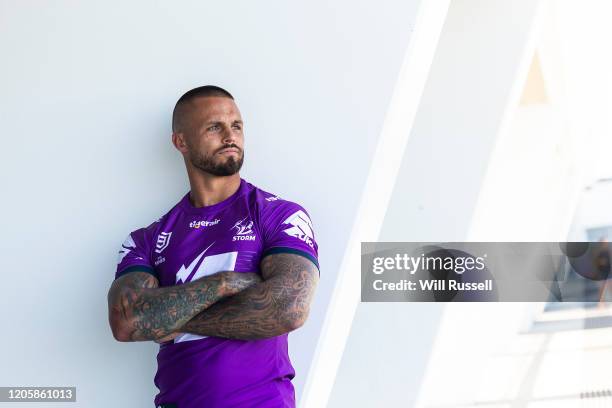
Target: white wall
(87, 92)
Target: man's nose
(228, 136)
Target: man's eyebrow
(216, 122)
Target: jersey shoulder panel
(135, 254)
(268, 204)
(285, 225)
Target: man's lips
(229, 150)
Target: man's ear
(178, 140)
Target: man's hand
(277, 305)
(167, 338)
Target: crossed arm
(139, 310)
(277, 305)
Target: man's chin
(228, 168)
(221, 168)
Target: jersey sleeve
(134, 255)
(287, 228)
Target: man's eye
(213, 128)
(237, 127)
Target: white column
(377, 191)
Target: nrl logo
(163, 240)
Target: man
(222, 278)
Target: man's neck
(209, 190)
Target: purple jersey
(188, 243)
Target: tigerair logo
(244, 230)
(203, 223)
(300, 227)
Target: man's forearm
(151, 313)
(273, 307)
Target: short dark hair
(202, 91)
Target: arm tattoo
(273, 307)
(140, 310)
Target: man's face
(213, 135)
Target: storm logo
(244, 231)
(243, 227)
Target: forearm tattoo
(277, 305)
(146, 312)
